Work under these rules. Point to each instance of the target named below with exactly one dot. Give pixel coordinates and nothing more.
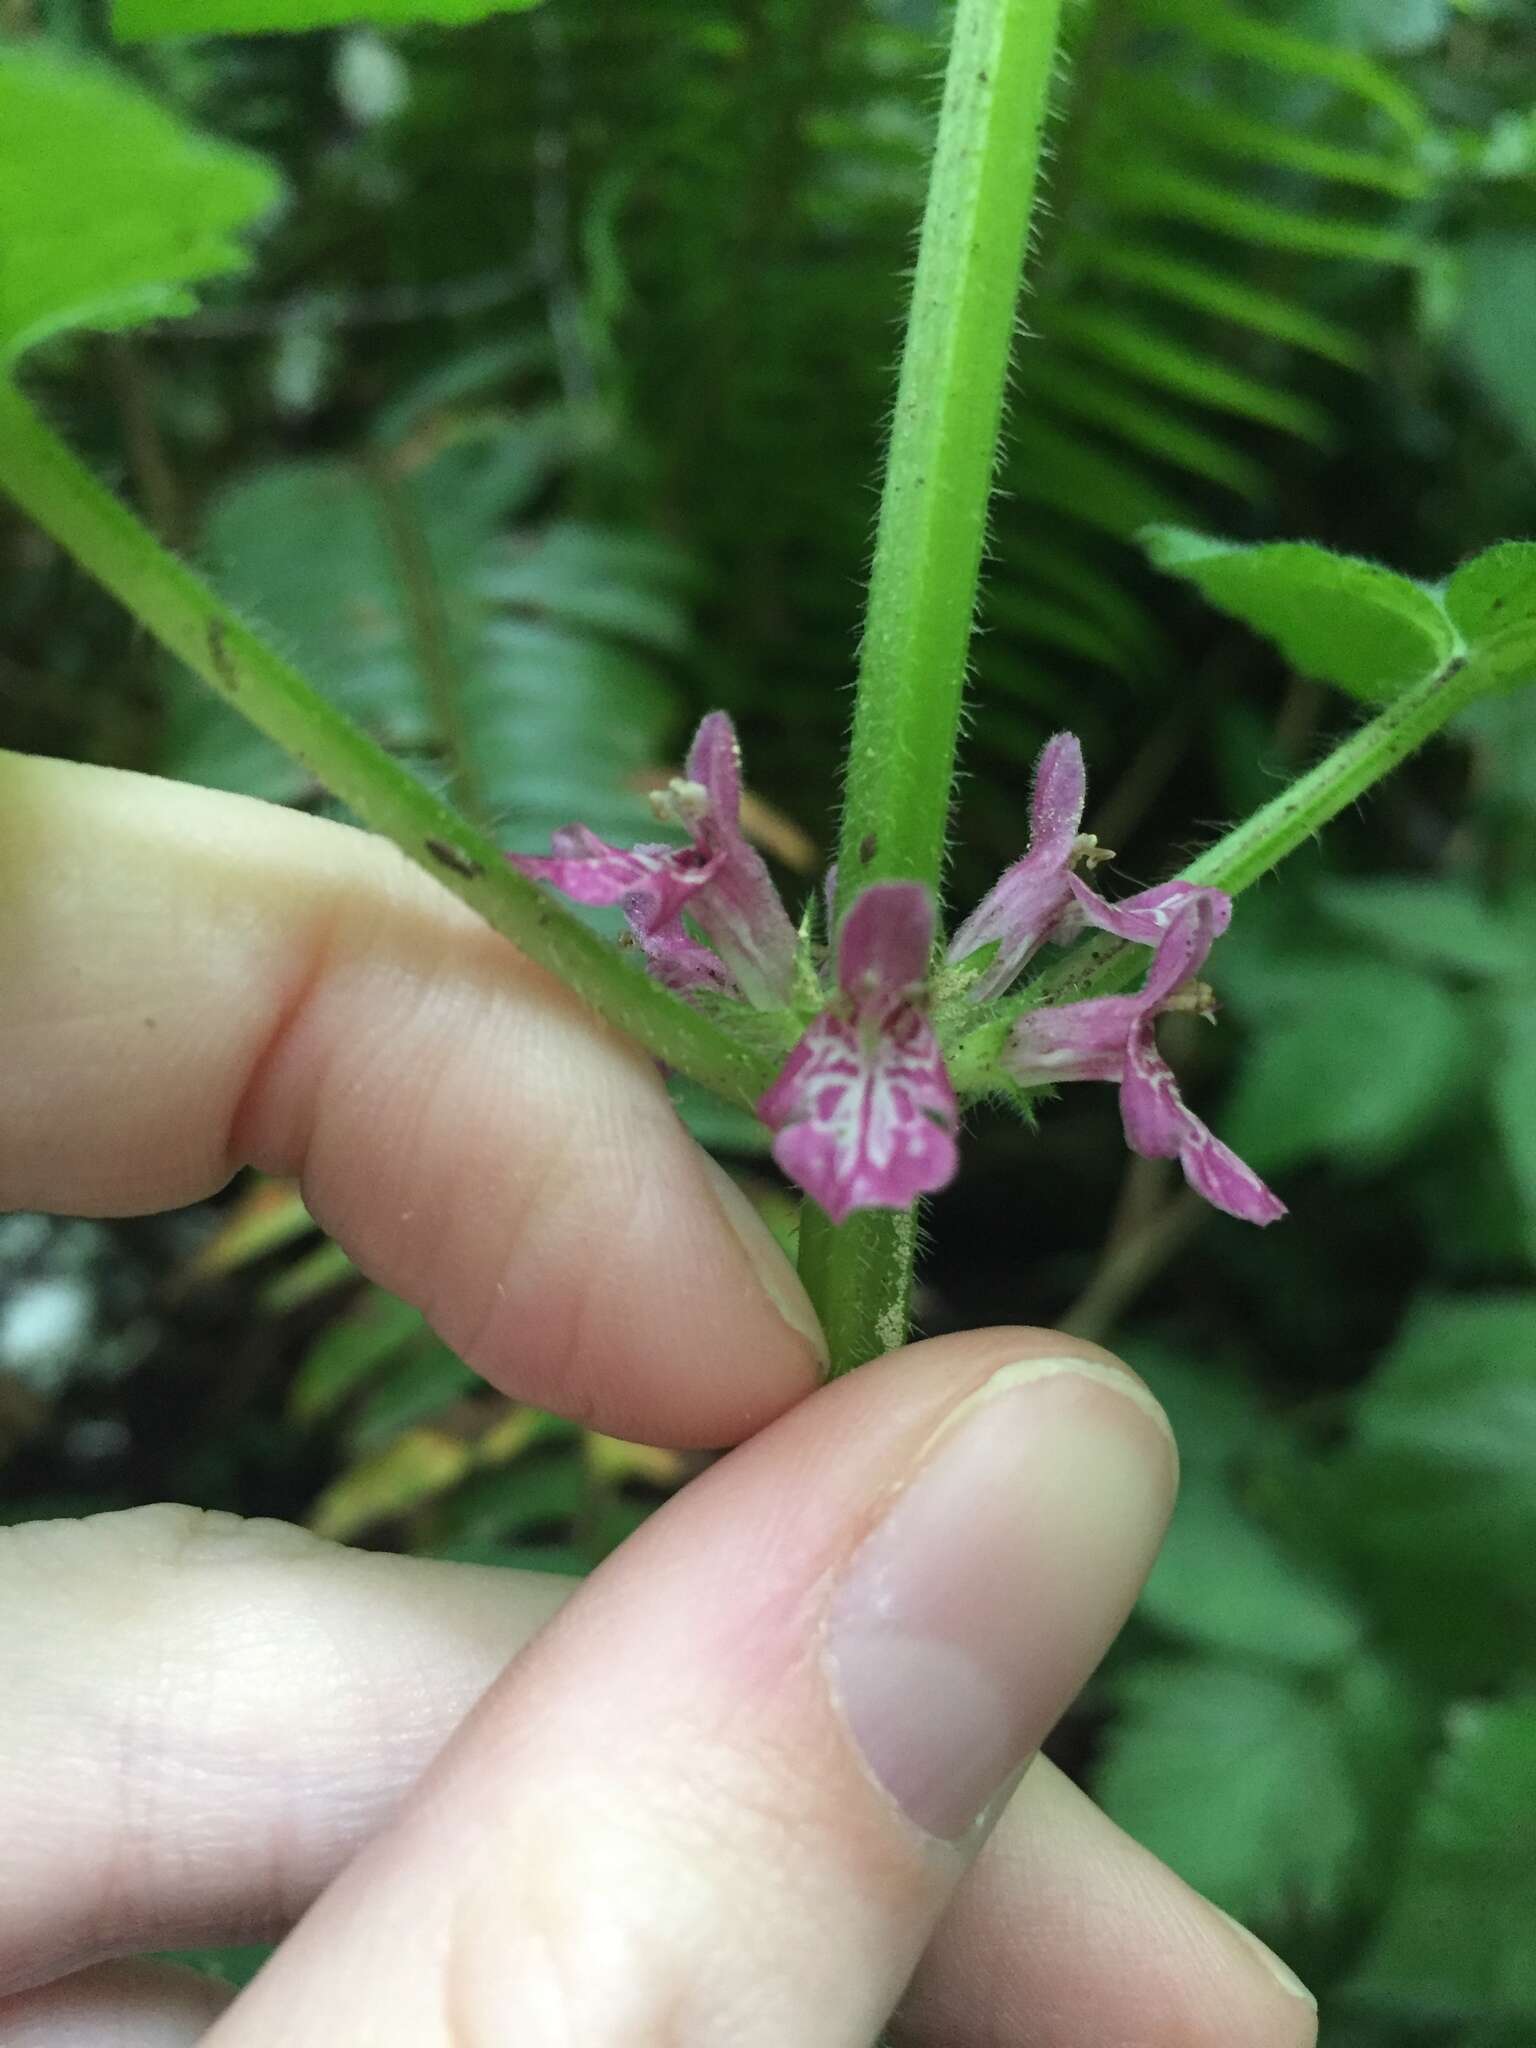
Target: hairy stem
(933, 509)
(928, 546)
(47, 481)
(859, 1274)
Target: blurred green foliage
(546, 419)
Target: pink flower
(864, 1110)
(1112, 1038)
(718, 879)
(1030, 899)
(1145, 918)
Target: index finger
(192, 982)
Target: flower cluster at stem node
(864, 1113)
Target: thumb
(728, 1792)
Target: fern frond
(1210, 163)
(1209, 124)
(1090, 582)
(1063, 472)
(1167, 192)
(1230, 29)
(1197, 288)
(1155, 429)
(746, 180)
(1160, 357)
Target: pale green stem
(928, 548)
(48, 482)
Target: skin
(643, 1819)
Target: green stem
(859, 1274)
(928, 546)
(47, 481)
(1104, 965)
(933, 510)
(1356, 765)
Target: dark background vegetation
(575, 336)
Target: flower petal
(886, 940)
(1061, 791)
(681, 963)
(740, 913)
(1020, 911)
(1072, 1042)
(1183, 947)
(1159, 1125)
(714, 762)
(1146, 918)
(652, 882)
(739, 910)
(864, 1112)
(722, 881)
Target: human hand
(740, 1790)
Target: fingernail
(1282, 1973)
(996, 1578)
(775, 1275)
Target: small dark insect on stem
(452, 858)
(218, 654)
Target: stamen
(1194, 999)
(680, 803)
(1087, 850)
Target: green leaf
(1494, 590)
(1242, 1780)
(1335, 618)
(1215, 1413)
(1432, 1507)
(1428, 923)
(1222, 1581)
(349, 1351)
(86, 246)
(413, 1388)
(1460, 1386)
(1455, 1399)
(1355, 1061)
(1220, 1578)
(1492, 600)
(1456, 1939)
(140, 20)
(1514, 1102)
(236, 1966)
(502, 1505)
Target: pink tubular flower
(1145, 918)
(1030, 899)
(864, 1111)
(1112, 1038)
(718, 879)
